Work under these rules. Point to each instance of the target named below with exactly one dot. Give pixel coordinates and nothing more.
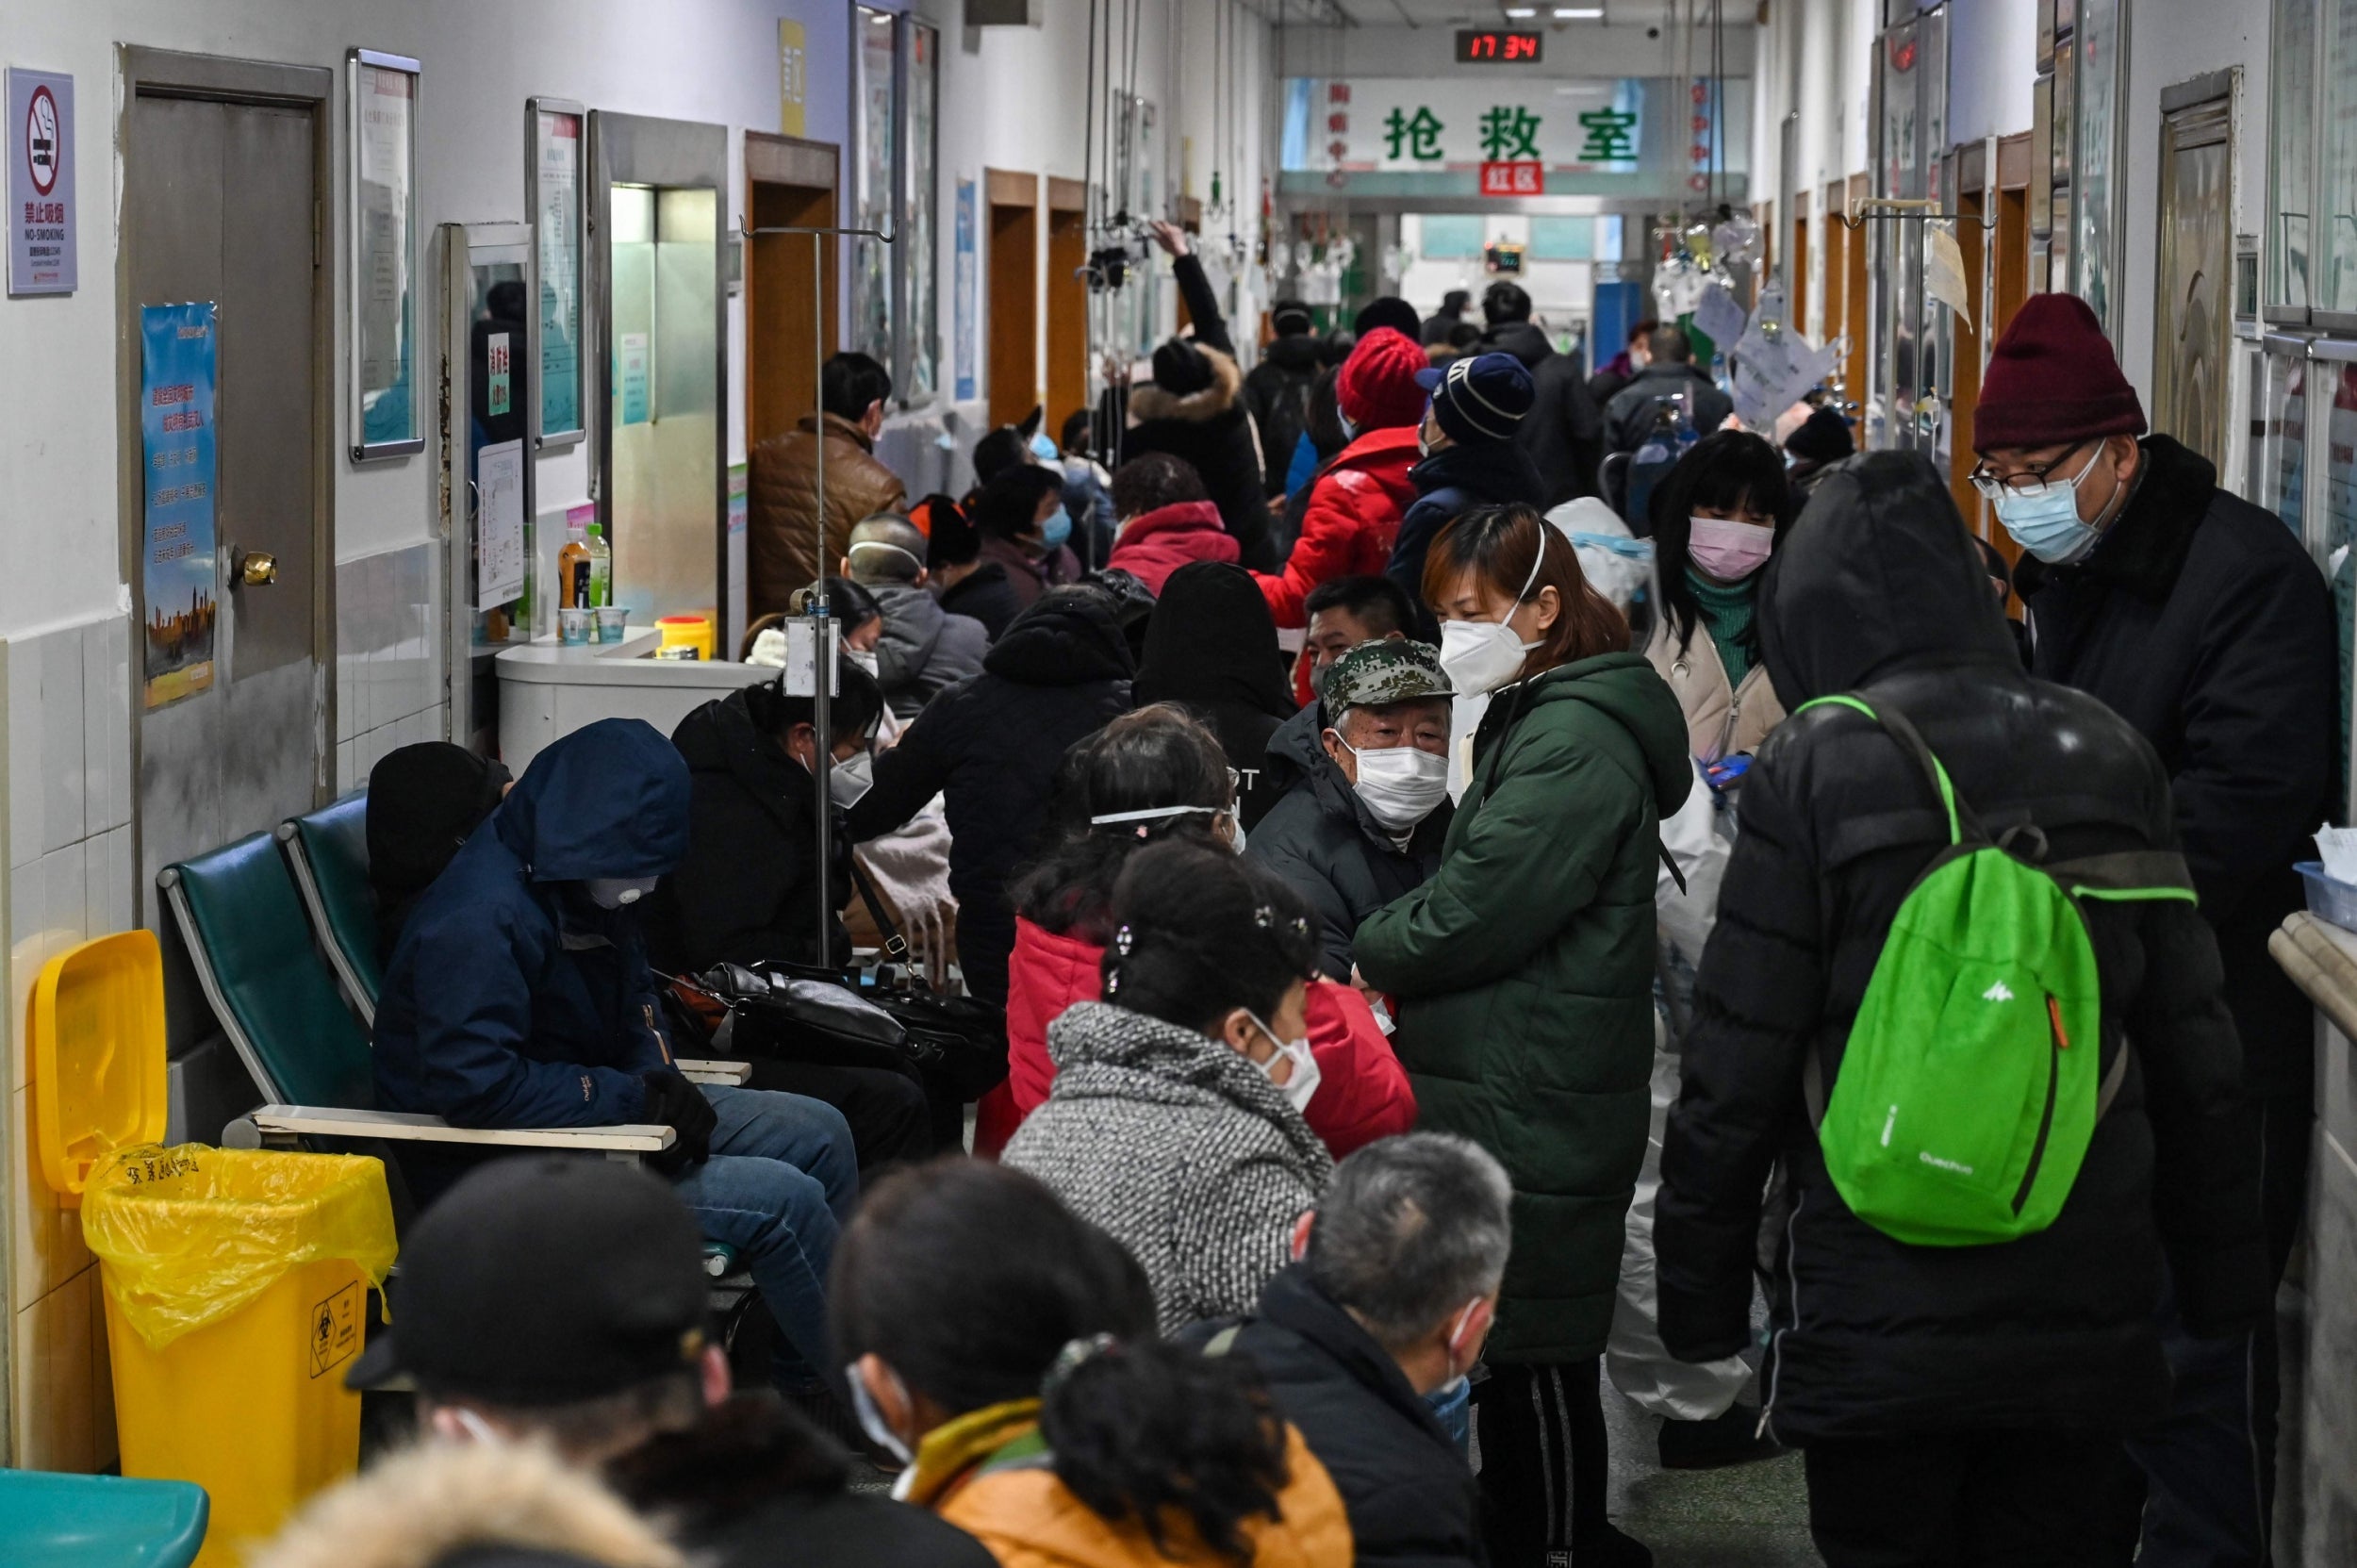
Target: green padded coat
(1525, 973)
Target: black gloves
(681, 1106)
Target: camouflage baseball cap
(1391, 669)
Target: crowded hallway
(1247, 784)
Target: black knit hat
(1179, 368)
(1824, 438)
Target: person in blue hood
(519, 996)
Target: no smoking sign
(41, 216)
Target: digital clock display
(1482, 45)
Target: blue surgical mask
(1055, 531)
(2045, 522)
(1044, 448)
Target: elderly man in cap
(1470, 459)
(2199, 619)
(1363, 821)
(559, 1300)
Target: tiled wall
(69, 878)
(389, 657)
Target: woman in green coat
(1522, 977)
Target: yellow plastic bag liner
(191, 1233)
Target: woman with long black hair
(1717, 518)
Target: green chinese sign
(1403, 124)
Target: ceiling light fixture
(1580, 13)
(1521, 13)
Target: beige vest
(1720, 721)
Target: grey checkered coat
(1180, 1148)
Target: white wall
(1992, 50)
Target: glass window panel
(916, 251)
(2100, 71)
(1450, 239)
(2336, 276)
(2291, 153)
(875, 131)
(1562, 239)
(2340, 515)
(2283, 438)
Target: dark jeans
(2018, 1500)
(2209, 1465)
(1544, 1472)
(891, 1119)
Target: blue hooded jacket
(512, 999)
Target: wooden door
(1067, 303)
(1014, 299)
(790, 184)
(1853, 308)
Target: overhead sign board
(41, 216)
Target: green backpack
(1969, 1087)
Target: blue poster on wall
(179, 357)
(964, 285)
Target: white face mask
(1400, 785)
(617, 892)
(863, 657)
(1304, 1083)
(871, 1420)
(847, 781)
(1483, 655)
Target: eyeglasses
(2030, 479)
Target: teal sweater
(1727, 613)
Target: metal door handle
(256, 569)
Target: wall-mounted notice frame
(556, 142)
(383, 286)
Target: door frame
(802, 164)
(1008, 188)
(173, 73)
(1067, 326)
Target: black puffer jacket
(1563, 433)
(1320, 839)
(747, 889)
(992, 744)
(1877, 590)
(2202, 621)
(1451, 482)
(1211, 428)
(756, 1486)
(1410, 1497)
(1277, 394)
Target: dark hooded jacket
(748, 888)
(1563, 433)
(756, 1486)
(1320, 838)
(1877, 591)
(1278, 393)
(992, 744)
(512, 999)
(1450, 483)
(2201, 620)
(1410, 1497)
(1211, 427)
(1522, 975)
(1212, 648)
(1629, 417)
(423, 800)
(924, 647)
(986, 594)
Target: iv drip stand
(816, 609)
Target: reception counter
(548, 689)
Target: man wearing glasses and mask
(2201, 619)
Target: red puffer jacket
(1363, 1091)
(1155, 544)
(1356, 503)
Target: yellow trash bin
(236, 1288)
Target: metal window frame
(361, 448)
(545, 441)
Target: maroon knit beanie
(2052, 379)
(1376, 386)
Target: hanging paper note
(1719, 316)
(1943, 270)
(498, 560)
